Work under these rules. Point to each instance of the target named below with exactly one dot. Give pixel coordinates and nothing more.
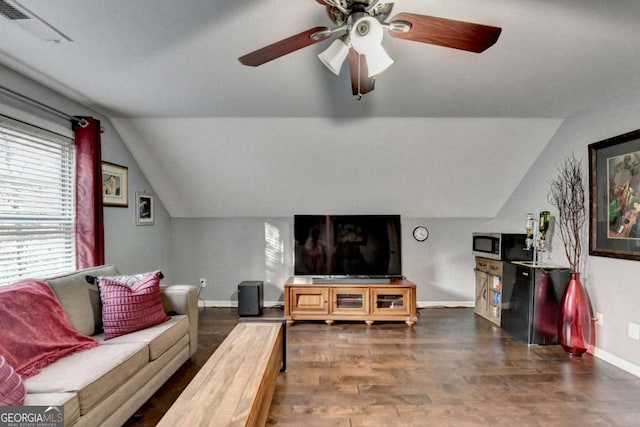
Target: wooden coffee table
(236, 384)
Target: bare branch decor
(567, 196)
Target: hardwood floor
(451, 369)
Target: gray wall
(227, 251)
(611, 283)
(130, 248)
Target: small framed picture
(115, 183)
(144, 209)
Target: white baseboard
(233, 304)
(617, 362)
(446, 304)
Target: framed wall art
(144, 210)
(614, 197)
(115, 185)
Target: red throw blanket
(34, 328)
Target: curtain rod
(44, 107)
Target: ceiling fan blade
(361, 83)
(447, 32)
(283, 47)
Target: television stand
(349, 280)
(367, 300)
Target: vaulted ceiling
(167, 74)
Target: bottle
(545, 217)
(529, 225)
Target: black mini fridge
(531, 298)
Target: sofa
(106, 384)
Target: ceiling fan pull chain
(359, 97)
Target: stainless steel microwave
(501, 246)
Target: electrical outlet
(203, 282)
(634, 331)
(598, 319)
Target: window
(37, 202)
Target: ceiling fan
(360, 28)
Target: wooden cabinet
(310, 300)
(481, 287)
(368, 302)
(488, 274)
(349, 301)
(391, 301)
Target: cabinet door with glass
(495, 305)
(349, 301)
(494, 285)
(389, 300)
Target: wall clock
(420, 233)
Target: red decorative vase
(574, 323)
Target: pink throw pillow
(130, 307)
(12, 390)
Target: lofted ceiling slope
(266, 167)
(167, 74)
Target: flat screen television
(348, 245)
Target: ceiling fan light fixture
(366, 35)
(333, 57)
(366, 38)
(377, 61)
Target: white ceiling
(148, 63)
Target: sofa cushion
(80, 299)
(12, 390)
(128, 308)
(121, 404)
(68, 401)
(93, 374)
(159, 337)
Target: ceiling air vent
(11, 12)
(30, 22)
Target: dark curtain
(89, 216)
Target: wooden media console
(365, 301)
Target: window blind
(37, 202)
